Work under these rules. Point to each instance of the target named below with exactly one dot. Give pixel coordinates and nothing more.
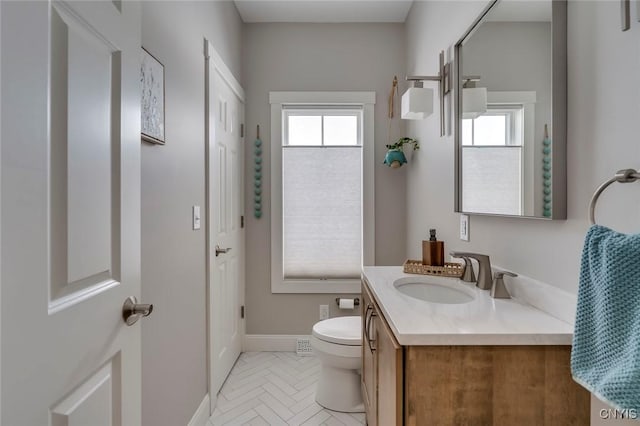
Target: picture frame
(152, 99)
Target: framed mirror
(510, 111)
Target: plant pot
(394, 158)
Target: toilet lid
(340, 330)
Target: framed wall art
(152, 85)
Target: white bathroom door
(70, 212)
(225, 219)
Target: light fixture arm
(444, 85)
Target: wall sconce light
(417, 102)
(474, 99)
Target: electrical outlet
(303, 347)
(324, 312)
(464, 227)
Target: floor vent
(303, 347)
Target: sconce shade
(474, 102)
(417, 103)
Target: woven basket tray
(453, 270)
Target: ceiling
(325, 11)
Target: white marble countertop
(483, 321)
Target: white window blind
(322, 194)
(322, 212)
(492, 180)
(492, 161)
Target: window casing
(321, 190)
(498, 172)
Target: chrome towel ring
(622, 176)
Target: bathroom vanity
(463, 359)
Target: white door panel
(70, 218)
(225, 207)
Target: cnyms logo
(613, 413)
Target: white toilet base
(339, 390)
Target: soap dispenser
(433, 250)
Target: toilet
(337, 343)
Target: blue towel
(605, 357)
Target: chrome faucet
(484, 268)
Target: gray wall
(603, 126)
(603, 129)
(516, 56)
(307, 57)
(174, 373)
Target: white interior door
(70, 218)
(225, 222)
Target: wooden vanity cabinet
(382, 367)
(465, 385)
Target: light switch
(464, 227)
(196, 217)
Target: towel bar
(622, 176)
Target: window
(322, 201)
(492, 154)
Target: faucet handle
(468, 275)
(501, 274)
(498, 289)
(484, 267)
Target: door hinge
(242, 311)
(242, 130)
(242, 221)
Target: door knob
(132, 311)
(221, 250)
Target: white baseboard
(270, 342)
(202, 414)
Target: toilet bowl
(337, 343)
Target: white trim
(367, 100)
(527, 99)
(364, 98)
(224, 71)
(202, 414)
(271, 342)
(214, 63)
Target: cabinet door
(389, 360)
(369, 364)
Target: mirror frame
(558, 112)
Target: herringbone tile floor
(275, 388)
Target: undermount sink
(431, 291)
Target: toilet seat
(345, 331)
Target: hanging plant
(395, 155)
